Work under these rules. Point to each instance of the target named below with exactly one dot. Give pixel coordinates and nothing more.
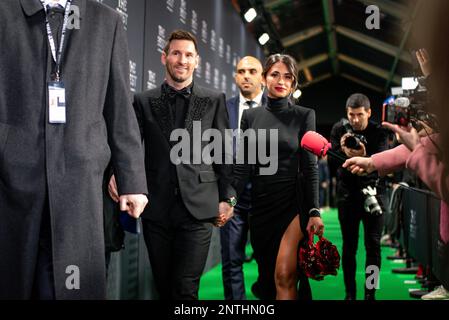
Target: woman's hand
(424, 62)
(360, 166)
(315, 226)
(407, 135)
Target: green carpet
(391, 286)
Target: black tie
(172, 92)
(250, 103)
(178, 100)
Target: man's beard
(247, 92)
(174, 77)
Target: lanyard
(57, 55)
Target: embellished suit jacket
(202, 184)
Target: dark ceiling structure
(330, 38)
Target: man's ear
(369, 112)
(197, 60)
(163, 58)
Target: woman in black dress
(284, 204)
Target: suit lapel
(162, 113)
(197, 108)
(235, 113)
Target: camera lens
(352, 142)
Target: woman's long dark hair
(289, 62)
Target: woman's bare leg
(286, 277)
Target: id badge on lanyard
(56, 90)
(56, 102)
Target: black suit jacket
(201, 185)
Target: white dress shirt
(244, 106)
(62, 3)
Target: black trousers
(177, 247)
(350, 214)
(233, 238)
(44, 287)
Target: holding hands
(131, 203)
(225, 213)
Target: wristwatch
(232, 201)
(314, 213)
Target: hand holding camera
(352, 145)
(406, 135)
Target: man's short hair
(181, 35)
(358, 100)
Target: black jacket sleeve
(308, 164)
(225, 169)
(123, 135)
(242, 169)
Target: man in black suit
(233, 235)
(185, 198)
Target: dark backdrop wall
(223, 40)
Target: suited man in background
(187, 198)
(233, 235)
(52, 165)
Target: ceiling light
(250, 15)
(264, 39)
(297, 94)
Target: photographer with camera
(358, 196)
(422, 151)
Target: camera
(371, 204)
(408, 104)
(354, 140)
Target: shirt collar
(257, 99)
(62, 3)
(31, 7)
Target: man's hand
(133, 204)
(407, 135)
(359, 165)
(112, 188)
(316, 226)
(225, 213)
(352, 152)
